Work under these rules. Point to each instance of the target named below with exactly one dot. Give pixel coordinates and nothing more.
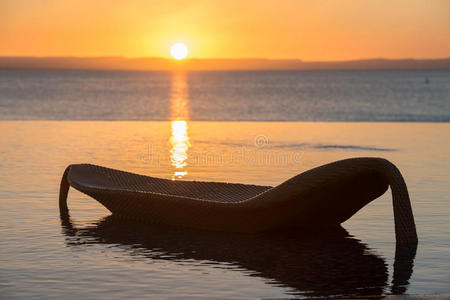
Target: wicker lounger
(321, 197)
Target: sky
(320, 30)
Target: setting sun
(179, 51)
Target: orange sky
(308, 30)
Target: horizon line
(211, 64)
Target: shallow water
(90, 256)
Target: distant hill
(154, 63)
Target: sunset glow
(224, 149)
(307, 30)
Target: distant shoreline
(165, 64)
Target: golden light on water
(179, 139)
(180, 145)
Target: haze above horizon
(306, 30)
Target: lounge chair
(322, 197)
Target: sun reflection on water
(179, 139)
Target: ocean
(371, 96)
(249, 127)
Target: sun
(179, 51)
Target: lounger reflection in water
(309, 264)
(321, 197)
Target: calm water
(90, 256)
(227, 96)
(93, 255)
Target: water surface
(91, 254)
(96, 256)
(413, 96)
